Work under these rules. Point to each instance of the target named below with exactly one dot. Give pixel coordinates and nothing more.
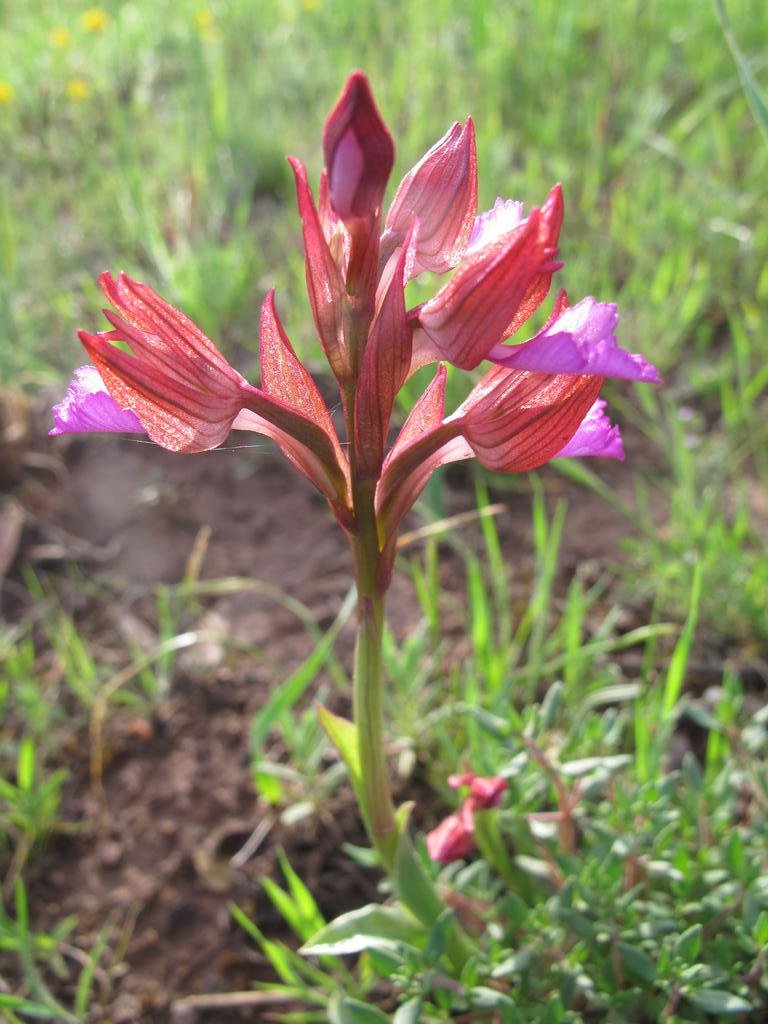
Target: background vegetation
(151, 138)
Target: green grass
(155, 144)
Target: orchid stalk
(537, 400)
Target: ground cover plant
(664, 646)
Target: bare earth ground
(150, 845)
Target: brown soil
(158, 816)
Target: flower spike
(156, 372)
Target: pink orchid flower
(453, 838)
(154, 371)
(537, 400)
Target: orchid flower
(155, 372)
(454, 838)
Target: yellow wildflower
(310, 5)
(77, 89)
(60, 37)
(94, 20)
(203, 20)
(6, 94)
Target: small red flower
(483, 792)
(454, 838)
(188, 398)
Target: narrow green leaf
(717, 1000)
(578, 923)
(370, 927)
(678, 663)
(637, 962)
(343, 1010)
(276, 953)
(734, 854)
(88, 973)
(484, 998)
(35, 1010)
(409, 1013)
(748, 81)
(25, 768)
(343, 734)
(688, 945)
(414, 887)
(303, 899)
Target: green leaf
(277, 954)
(748, 81)
(25, 768)
(585, 765)
(303, 899)
(637, 962)
(370, 927)
(437, 941)
(414, 886)
(35, 1010)
(343, 1010)
(578, 923)
(409, 1013)
(269, 787)
(760, 929)
(717, 1000)
(343, 734)
(688, 945)
(734, 854)
(484, 998)
(88, 973)
(678, 663)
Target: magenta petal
(595, 436)
(87, 408)
(581, 340)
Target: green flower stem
(386, 830)
(378, 810)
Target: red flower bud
(359, 151)
(483, 792)
(441, 191)
(453, 838)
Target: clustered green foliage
(624, 878)
(152, 140)
(625, 901)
